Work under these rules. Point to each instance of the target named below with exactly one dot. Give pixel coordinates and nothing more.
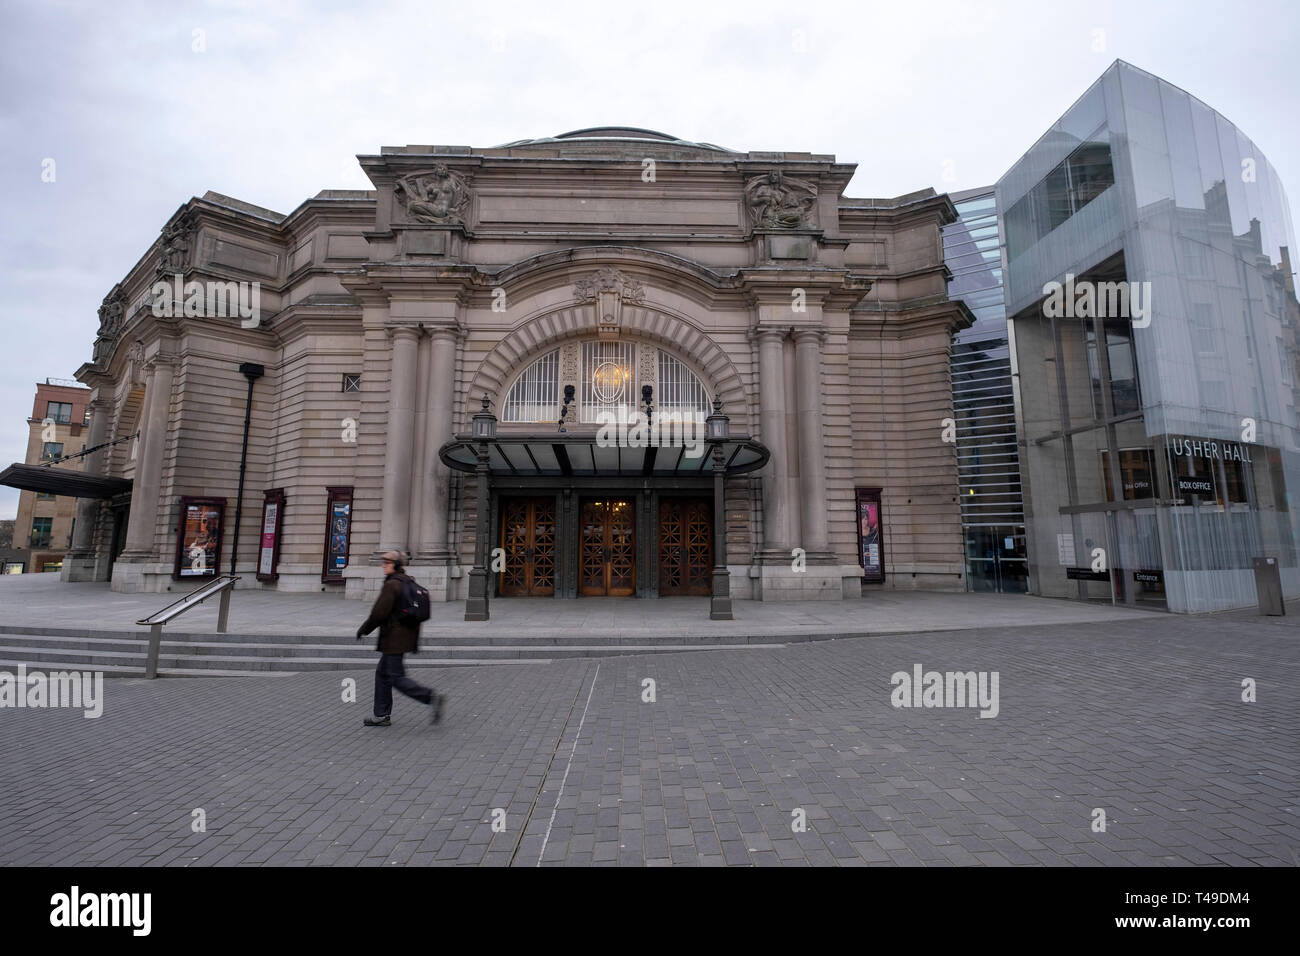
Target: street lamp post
(251, 371)
(483, 431)
(717, 429)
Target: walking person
(396, 638)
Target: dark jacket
(394, 637)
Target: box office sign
(338, 533)
(1196, 487)
(268, 549)
(871, 539)
(198, 537)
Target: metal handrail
(223, 584)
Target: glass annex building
(1157, 383)
(988, 462)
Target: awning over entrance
(62, 481)
(564, 456)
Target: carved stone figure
(608, 279)
(111, 313)
(175, 251)
(609, 289)
(778, 202)
(438, 196)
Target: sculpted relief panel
(777, 201)
(439, 196)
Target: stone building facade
(563, 279)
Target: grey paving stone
(712, 769)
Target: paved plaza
(1141, 718)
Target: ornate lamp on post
(483, 431)
(564, 408)
(717, 429)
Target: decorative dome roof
(612, 135)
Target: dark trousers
(389, 674)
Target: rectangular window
(41, 528)
(61, 412)
(44, 496)
(352, 381)
(54, 449)
(1193, 257)
(1124, 395)
(1076, 181)
(608, 379)
(1136, 471)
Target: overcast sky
(270, 103)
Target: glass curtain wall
(988, 462)
(1160, 420)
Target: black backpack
(412, 605)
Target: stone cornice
(937, 315)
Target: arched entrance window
(608, 377)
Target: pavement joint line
(541, 783)
(572, 750)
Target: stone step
(113, 655)
(587, 636)
(118, 670)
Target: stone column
(394, 526)
(776, 529)
(434, 475)
(812, 449)
(142, 527)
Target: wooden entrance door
(607, 547)
(685, 546)
(528, 540)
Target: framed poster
(871, 535)
(338, 533)
(268, 548)
(198, 537)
